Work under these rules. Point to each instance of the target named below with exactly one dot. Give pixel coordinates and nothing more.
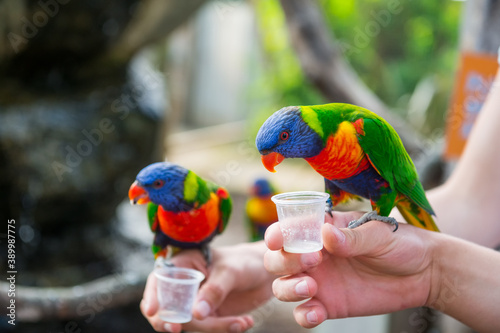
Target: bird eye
(158, 183)
(284, 136)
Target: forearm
(464, 216)
(478, 165)
(466, 282)
(466, 205)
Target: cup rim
(314, 197)
(194, 276)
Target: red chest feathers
(342, 156)
(191, 226)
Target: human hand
(362, 271)
(236, 283)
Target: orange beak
(137, 194)
(271, 160)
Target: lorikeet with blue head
(356, 151)
(184, 210)
(260, 209)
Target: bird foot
(207, 254)
(373, 216)
(161, 262)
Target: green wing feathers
(388, 156)
(153, 225)
(152, 210)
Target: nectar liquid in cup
(178, 301)
(176, 291)
(302, 234)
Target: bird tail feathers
(415, 215)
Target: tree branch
(36, 303)
(323, 64)
(154, 20)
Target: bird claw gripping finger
(329, 207)
(207, 254)
(161, 262)
(373, 216)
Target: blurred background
(91, 92)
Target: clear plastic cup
(177, 288)
(301, 215)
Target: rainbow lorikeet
(184, 211)
(357, 152)
(260, 209)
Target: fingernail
(310, 259)
(168, 327)
(312, 317)
(202, 308)
(302, 289)
(235, 328)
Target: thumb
(213, 292)
(367, 239)
(149, 303)
(273, 237)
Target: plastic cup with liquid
(301, 215)
(177, 288)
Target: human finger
(310, 314)
(149, 303)
(273, 237)
(342, 219)
(231, 324)
(160, 325)
(294, 288)
(284, 263)
(362, 240)
(190, 258)
(213, 292)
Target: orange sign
(474, 79)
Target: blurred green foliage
(392, 45)
(282, 83)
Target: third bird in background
(260, 210)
